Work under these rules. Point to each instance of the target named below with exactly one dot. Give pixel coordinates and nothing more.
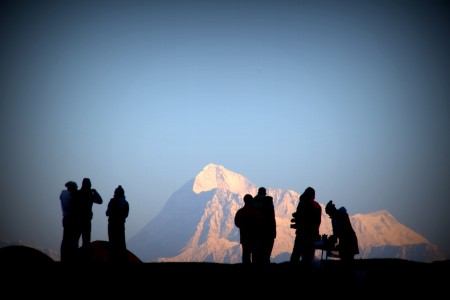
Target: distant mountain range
(197, 225)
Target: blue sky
(352, 99)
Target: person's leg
(246, 253)
(308, 255)
(269, 247)
(111, 240)
(86, 234)
(65, 243)
(85, 240)
(258, 256)
(123, 244)
(297, 250)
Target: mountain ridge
(207, 233)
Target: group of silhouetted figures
(255, 220)
(257, 226)
(77, 213)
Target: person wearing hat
(343, 234)
(69, 243)
(117, 213)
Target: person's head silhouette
(310, 193)
(262, 191)
(248, 199)
(86, 184)
(71, 186)
(119, 192)
(330, 208)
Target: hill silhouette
(23, 255)
(367, 277)
(98, 252)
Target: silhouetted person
(250, 222)
(117, 213)
(265, 204)
(69, 243)
(87, 196)
(307, 219)
(344, 237)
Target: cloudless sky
(349, 97)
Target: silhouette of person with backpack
(264, 204)
(343, 237)
(117, 213)
(306, 222)
(250, 222)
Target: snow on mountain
(381, 228)
(217, 177)
(380, 235)
(197, 225)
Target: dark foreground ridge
(329, 278)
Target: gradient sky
(352, 99)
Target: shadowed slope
(99, 253)
(23, 255)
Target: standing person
(306, 221)
(343, 233)
(87, 196)
(269, 229)
(117, 212)
(69, 243)
(249, 220)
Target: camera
(294, 221)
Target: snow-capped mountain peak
(217, 177)
(197, 224)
